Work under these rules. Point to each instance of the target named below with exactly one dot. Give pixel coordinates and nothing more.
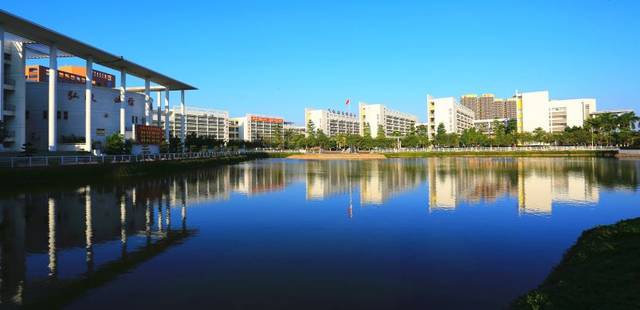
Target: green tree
(114, 144)
(441, 138)
(539, 135)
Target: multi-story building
(12, 94)
(293, 128)
(201, 122)
(392, 122)
(332, 122)
(68, 108)
(234, 129)
(454, 116)
(105, 114)
(488, 107)
(536, 110)
(256, 128)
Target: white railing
(541, 148)
(48, 161)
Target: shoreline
(339, 156)
(62, 176)
(427, 154)
(599, 271)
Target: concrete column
(166, 115)
(183, 130)
(148, 109)
(159, 103)
(53, 106)
(87, 103)
(123, 99)
(1, 76)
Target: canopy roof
(40, 37)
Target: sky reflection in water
(273, 234)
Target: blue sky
(278, 57)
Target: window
(66, 115)
(44, 114)
(58, 115)
(26, 114)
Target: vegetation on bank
(95, 173)
(602, 129)
(576, 153)
(601, 271)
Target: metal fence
(49, 161)
(541, 148)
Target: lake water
(449, 233)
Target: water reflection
(113, 228)
(42, 232)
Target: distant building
(234, 129)
(255, 128)
(296, 129)
(454, 116)
(202, 122)
(614, 112)
(487, 106)
(392, 121)
(332, 122)
(536, 110)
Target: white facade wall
(576, 112)
(332, 122)
(535, 111)
(454, 116)
(105, 113)
(390, 120)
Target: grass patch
(502, 154)
(601, 271)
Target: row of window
(45, 114)
(65, 116)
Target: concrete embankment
(53, 176)
(628, 154)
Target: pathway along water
(453, 233)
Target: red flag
(348, 101)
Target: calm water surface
(284, 234)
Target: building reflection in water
(536, 183)
(136, 220)
(57, 224)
